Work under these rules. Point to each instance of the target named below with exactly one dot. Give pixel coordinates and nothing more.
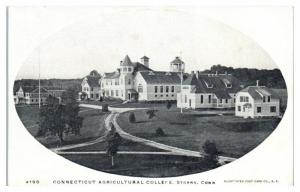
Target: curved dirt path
(112, 118)
(174, 150)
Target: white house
(208, 91)
(136, 81)
(91, 86)
(257, 101)
(30, 95)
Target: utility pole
(181, 80)
(39, 80)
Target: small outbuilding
(257, 101)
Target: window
(125, 69)
(209, 99)
(161, 89)
(221, 100)
(273, 109)
(129, 69)
(246, 99)
(185, 99)
(269, 99)
(112, 93)
(155, 95)
(172, 95)
(264, 99)
(201, 99)
(172, 89)
(155, 89)
(226, 100)
(258, 109)
(129, 81)
(92, 89)
(241, 99)
(234, 100)
(239, 108)
(31, 100)
(97, 95)
(167, 95)
(92, 95)
(117, 93)
(140, 88)
(161, 95)
(167, 89)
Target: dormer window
(208, 85)
(227, 83)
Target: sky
(100, 41)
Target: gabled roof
(126, 61)
(145, 57)
(213, 84)
(177, 60)
(42, 90)
(140, 67)
(27, 89)
(160, 77)
(257, 92)
(93, 81)
(112, 75)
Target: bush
(169, 104)
(160, 132)
(150, 113)
(131, 117)
(105, 108)
(210, 154)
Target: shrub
(168, 105)
(160, 132)
(150, 113)
(210, 154)
(105, 108)
(131, 117)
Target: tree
(131, 117)
(211, 154)
(60, 119)
(160, 132)
(168, 105)
(105, 108)
(113, 142)
(51, 118)
(150, 113)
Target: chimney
(197, 74)
(257, 83)
(145, 61)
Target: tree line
(268, 77)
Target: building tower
(177, 65)
(126, 78)
(145, 61)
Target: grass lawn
(93, 125)
(141, 165)
(233, 136)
